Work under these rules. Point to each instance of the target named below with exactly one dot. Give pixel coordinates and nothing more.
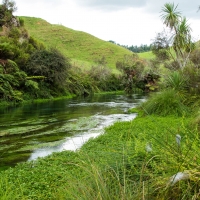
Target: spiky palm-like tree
(181, 37)
(170, 16)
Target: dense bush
(11, 81)
(104, 79)
(51, 64)
(80, 83)
(195, 57)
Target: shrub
(193, 79)
(21, 21)
(51, 64)
(14, 33)
(195, 57)
(167, 102)
(104, 79)
(80, 83)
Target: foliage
(195, 57)
(50, 64)
(180, 39)
(79, 83)
(11, 79)
(166, 102)
(11, 47)
(6, 9)
(140, 159)
(21, 21)
(176, 80)
(103, 77)
(36, 44)
(170, 15)
(136, 74)
(15, 50)
(31, 84)
(185, 82)
(193, 79)
(131, 67)
(6, 50)
(160, 47)
(196, 119)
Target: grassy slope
(81, 47)
(147, 55)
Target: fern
(32, 84)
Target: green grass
(116, 165)
(166, 102)
(147, 55)
(81, 47)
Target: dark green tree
(51, 64)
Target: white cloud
(128, 22)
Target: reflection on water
(36, 130)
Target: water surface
(36, 130)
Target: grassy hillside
(81, 47)
(146, 55)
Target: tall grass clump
(166, 102)
(99, 183)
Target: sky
(126, 22)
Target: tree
(50, 64)
(132, 68)
(9, 5)
(6, 12)
(161, 47)
(181, 40)
(170, 16)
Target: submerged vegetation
(155, 156)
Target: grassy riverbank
(132, 160)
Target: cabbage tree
(181, 40)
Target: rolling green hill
(81, 47)
(146, 55)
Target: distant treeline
(136, 49)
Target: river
(39, 129)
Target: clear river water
(39, 129)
